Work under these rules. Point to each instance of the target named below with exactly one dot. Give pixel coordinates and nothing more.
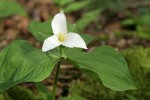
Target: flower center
(61, 37)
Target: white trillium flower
(61, 36)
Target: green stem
(57, 74)
(55, 81)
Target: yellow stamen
(61, 37)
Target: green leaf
(76, 6)
(20, 62)
(43, 90)
(105, 65)
(9, 8)
(74, 97)
(40, 30)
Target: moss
(19, 93)
(138, 57)
(91, 90)
(139, 63)
(2, 97)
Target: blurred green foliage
(10, 7)
(19, 93)
(85, 5)
(141, 24)
(43, 91)
(138, 61)
(91, 9)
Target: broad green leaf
(76, 6)
(40, 30)
(20, 62)
(43, 90)
(9, 8)
(74, 97)
(105, 65)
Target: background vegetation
(122, 24)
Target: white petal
(50, 43)
(59, 23)
(74, 40)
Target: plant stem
(57, 74)
(55, 81)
